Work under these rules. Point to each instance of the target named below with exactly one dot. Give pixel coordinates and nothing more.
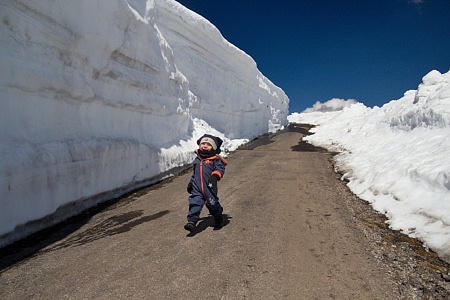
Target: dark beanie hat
(214, 141)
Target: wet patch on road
(303, 146)
(259, 141)
(300, 128)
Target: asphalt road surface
(290, 234)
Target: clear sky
(315, 50)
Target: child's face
(205, 146)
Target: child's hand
(212, 182)
(189, 187)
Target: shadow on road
(35, 243)
(206, 222)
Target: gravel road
(293, 231)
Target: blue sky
(315, 50)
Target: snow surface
(101, 97)
(396, 157)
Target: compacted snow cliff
(92, 92)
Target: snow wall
(92, 91)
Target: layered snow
(397, 157)
(100, 97)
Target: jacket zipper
(201, 179)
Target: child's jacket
(204, 168)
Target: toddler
(209, 168)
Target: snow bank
(92, 92)
(230, 93)
(397, 157)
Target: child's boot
(218, 221)
(190, 226)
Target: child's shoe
(218, 222)
(190, 226)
